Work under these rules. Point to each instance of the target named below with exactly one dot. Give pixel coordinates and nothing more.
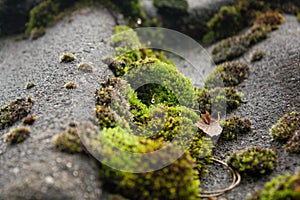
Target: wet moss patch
(253, 161)
(15, 111)
(17, 135)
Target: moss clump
(234, 47)
(176, 181)
(28, 120)
(287, 130)
(105, 117)
(281, 187)
(67, 57)
(171, 7)
(218, 97)
(70, 85)
(69, 141)
(227, 22)
(235, 126)
(36, 33)
(168, 85)
(14, 111)
(298, 16)
(29, 85)
(85, 67)
(286, 126)
(231, 73)
(257, 56)
(46, 14)
(17, 135)
(253, 161)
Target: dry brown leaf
(209, 125)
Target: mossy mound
(230, 20)
(231, 73)
(235, 126)
(218, 97)
(281, 187)
(17, 135)
(286, 130)
(15, 111)
(233, 47)
(69, 141)
(257, 56)
(28, 120)
(178, 180)
(253, 161)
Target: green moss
(173, 88)
(29, 85)
(281, 187)
(46, 14)
(218, 97)
(227, 22)
(257, 56)
(171, 7)
(234, 47)
(235, 126)
(70, 85)
(17, 135)
(176, 181)
(28, 120)
(67, 57)
(69, 141)
(298, 16)
(15, 111)
(105, 117)
(231, 73)
(232, 19)
(286, 126)
(286, 130)
(85, 67)
(253, 161)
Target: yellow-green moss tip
(298, 16)
(14, 111)
(287, 130)
(17, 135)
(85, 67)
(28, 120)
(257, 56)
(234, 127)
(281, 187)
(67, 57)
(70, 85)
(253, 161)
(29, 85)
